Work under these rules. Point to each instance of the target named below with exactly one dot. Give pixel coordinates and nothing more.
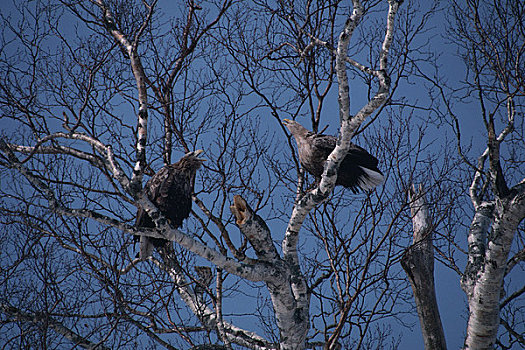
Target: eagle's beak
(197, 153)
(286, 121)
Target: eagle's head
(191, 161)
(297, 130)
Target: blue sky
(451, 298)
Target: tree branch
(43, 319)
(254, 229)
(199, 308)
(141, 79)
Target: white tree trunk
(418, 262)
(483, 279)
(291, 308)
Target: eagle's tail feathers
(371, 179)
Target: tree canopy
(96, 96)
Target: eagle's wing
(155, 190)
(327, 143)
(145, 246)
(171, 189)
(323, 145)
(157, 186)
(152, 189)
(358, 168)
(365, 159)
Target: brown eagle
(170, 189)
(357, 170)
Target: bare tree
(99, 95)
(490, 40)
(115, 98)
(493, 38)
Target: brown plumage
(357, 170)
(170, 189)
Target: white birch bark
(206, 315)
(483, 279)
(418, 262)
(131, 49)
(348, 126)
(490, 237)
(291, 308)
(282, 275)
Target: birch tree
(490, 40)
(92, 113)
(99, 95)
(495, 45)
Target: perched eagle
(170, 189)
(357, 170)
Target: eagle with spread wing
(357, 170)
(170, 189)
